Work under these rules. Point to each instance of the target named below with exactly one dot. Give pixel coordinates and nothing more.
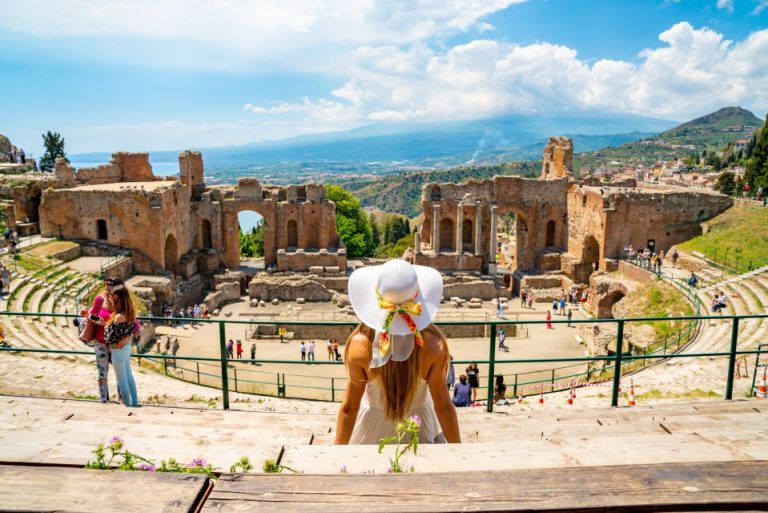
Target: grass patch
(29, 263)
(696, 393)
(51, 248)
(735, 238)
(655, 298)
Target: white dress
(372, 423)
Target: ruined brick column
(301, 236)
(417, 242)
(436, 229)
(478, 229)
(459, 227)
(492, 256)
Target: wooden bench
(45, 489)
(731, 486)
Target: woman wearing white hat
(396, 359)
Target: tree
(252, 244)
(54, 147)
(757, 167)
(351, 222)
(726, 183)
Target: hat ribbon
(405, 310)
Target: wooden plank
(676, 487)
(45, 489)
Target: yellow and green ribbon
(404, 310)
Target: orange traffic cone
(631, 392)
(762, 391)
(541, 394)
(569, 401)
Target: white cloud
(691, 72)
(760, 7)
(725, 4)
(232, 33)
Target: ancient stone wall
(558, 158)
(469, 214)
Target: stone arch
(170, 253)
(591, 251)
(292, 232)
(550, 233)
(606, 303)
(206, 240)
(467, 235)
(447, 235)
(101, 229)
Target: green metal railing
(613, 373)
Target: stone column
(301, 238)
(478, 229)
(492, 256)
(417, 242)
(436, 229)
(459, 228)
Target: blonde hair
(397, 380)
(121, 301)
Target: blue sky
(145, 75)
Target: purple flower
(147, 467)
(417, 420)
(198, 462)
(115, 440)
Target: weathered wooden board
(732, 486)
(47, 489)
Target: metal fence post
(617, 364)
(732, 359)
(333, 390)
(491, 367)
(198, 372)
(235, 370)
(224, 371)
(515, 392)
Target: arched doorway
(447, 236)
(171, 254)
(292, 231)
(550, 233)
(467, 236)
(591, 252)
(509, 228)
(205, 234)
(606, 304)
(250, 232)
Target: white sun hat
(395, 291)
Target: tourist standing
(175, 349)
(675, 256)
(530, 300)
(570, 315)
(502, 339)
(311, 352)
(23, 156)
(118, 333)
(473, 374)
(450, 375)
(99, 313)
(522, 299)
(303, 349)
(281, 333)
(549, 318)
(5, 275)
(562, 305)
(554, 306)
(253, 353)
(230, 349)
(239, 349)
(330, 350)
(335, 347)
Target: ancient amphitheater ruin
(175, 241)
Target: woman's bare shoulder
(358, 349)
(435, 347)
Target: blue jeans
(121, 361)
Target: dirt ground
(315, 380)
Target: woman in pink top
(100, 307)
